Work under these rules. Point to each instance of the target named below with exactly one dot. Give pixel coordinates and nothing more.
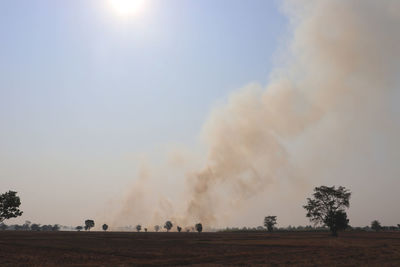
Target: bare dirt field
(172, 249)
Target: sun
(127, 7)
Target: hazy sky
(84, 90)
(106, 115)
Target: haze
(214, 111)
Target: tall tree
(328, 206)
(9, 206)
(269, 222)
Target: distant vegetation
(199, 227)
(376, 225)
(168, 225)
(269, 223)
(326, 209)
(89, 224)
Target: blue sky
(81, 87)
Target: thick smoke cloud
(331, 110)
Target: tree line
(326, 209)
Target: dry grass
(132, 249)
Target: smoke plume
(328, 110)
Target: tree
(9, 206)
(269, 222)
(327, 207)
(89, 224)
(398, 226)
(79, 228)
(168, 225)
(138, 227)
(145, 229)
(199, 227)
(179, 229)
(157, 228)
(105, 227)
(376, 225)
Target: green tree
(199, 227)
(269, 222)
(9, 206)
(168, 225)
(89, 224)
(376, 225)
(138, 227)
(105, 227)
(328, 206)
(179, 229)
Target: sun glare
(127, 7)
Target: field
(152, 249)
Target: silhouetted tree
(179, 229)
(138, 227)
(269, 222)
(55, 227)
(376, 225)
(157, 228)
(145, 229)
(168, 225)
(199, 227)
(105, 227)
(9, 206)
(327, 207)
(79, 228)
(89, 224)
(398, 226)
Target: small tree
(179, 229)
(269, 222)
(9, 206)
(327, 207)
(138, 227)
(79, 228)
(168, 225)
(3, 227)
(157, 228)
(105, 227)
(376, 225)
(89, 224)
(199, 227)
(398, 226)
(145, 229)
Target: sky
(84, 90)
(222, 111)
